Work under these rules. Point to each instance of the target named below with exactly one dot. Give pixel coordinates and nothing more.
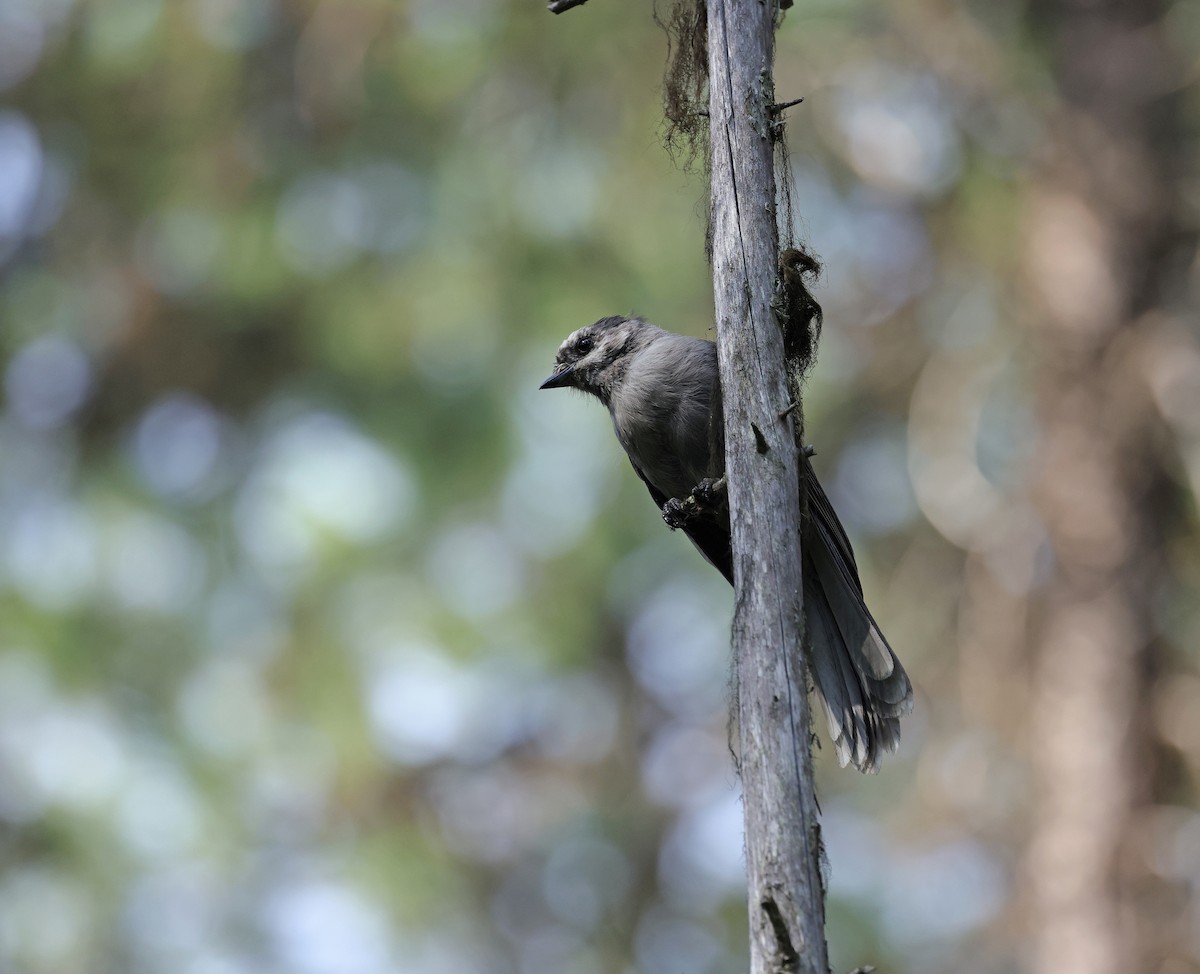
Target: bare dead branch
(762, 432)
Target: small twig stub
(782, 105)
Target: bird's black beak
(561, 377)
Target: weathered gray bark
(787, 914)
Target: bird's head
(595, 357)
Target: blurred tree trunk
(786, 905)
(1102, 240)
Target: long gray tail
(863, 688)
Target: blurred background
(328, 645)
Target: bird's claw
(710, 491)
(705, 498)
(675, 513)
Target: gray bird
(664, 395)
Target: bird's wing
(709, 532)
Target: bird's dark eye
(584, 344)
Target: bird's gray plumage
(663, 393)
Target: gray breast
(662, 412)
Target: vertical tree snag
(782, 840)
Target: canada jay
(664, 395)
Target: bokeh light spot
(47, 381)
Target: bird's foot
(710, 492)
(676, 513)
(707, 497)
